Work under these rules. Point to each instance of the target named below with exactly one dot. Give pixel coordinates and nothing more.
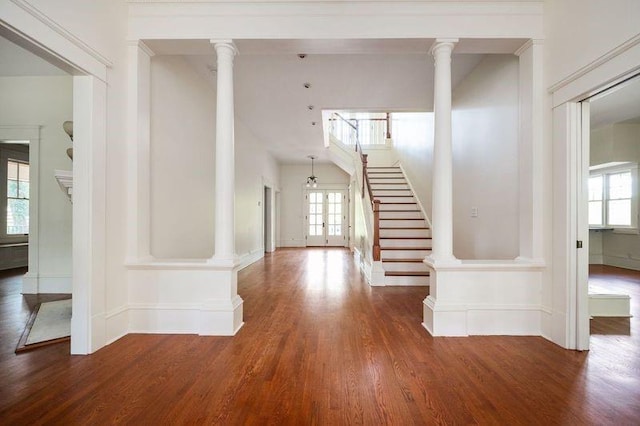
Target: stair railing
(366, 185)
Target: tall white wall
(182, 160)
(581, 31)
(485, 161)
(292, 183)
(47, 102)
(183, 115)
(578, 36)
(255, 168)
(617, 142)
(413, 141)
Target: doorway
(267, 216)
(608, 272)
(326, 217)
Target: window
(14, 195)
(613, 196)
(17, 198)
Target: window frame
(18, 153)
(605, 171)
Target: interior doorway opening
(610, 271)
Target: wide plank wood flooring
(319, 346)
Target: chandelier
(312, 181)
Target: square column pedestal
(484, 298)
(184, 297)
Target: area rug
(50, 323)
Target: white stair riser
(401, 281)
(412, 206)
(384, 169)
(404, 243)
(404, 266)
(400, 215)
(405, 233)
(377, 193)
(375, 186)
(385, 176)
(402, 223)
(404, 254)
(379, 180)
(383, 199)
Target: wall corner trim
(617, 51)
(36, 13)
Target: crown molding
(50, 23)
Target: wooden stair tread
(406, 273)
(383, 167)
(408, 218)
(409, 227)
(397, 211)
(388, 202)
(405, 248)
(411, 260)
(405, 238)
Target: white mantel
(65, 180)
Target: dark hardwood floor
(319, 346)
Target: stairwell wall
(292, 217)
(485, 161)
(183, 113)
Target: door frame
(570, 316)
(30, 28)
(328, 187)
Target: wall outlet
(474, 212)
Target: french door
(326, 217)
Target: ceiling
(18, 62)
(621, 104)
(369, 75)
(372, 74)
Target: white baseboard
(251, 257)
(39, 283)
(596, 259)
(212, 318)
(117, 324)
(481, 319)
(609, 305)
(622, 262)
(292, 243)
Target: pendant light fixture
(312, 181)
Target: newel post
(376, 230)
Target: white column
(225, 171)
(139, 152)
(532, 152)
(442, 199)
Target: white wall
(485, 161)
(292, 184)
(182, 160)
(578, 34)
(413, 141)
(183, 166)
(255, 168)
(617, 142)
(580, 31)
(48, 102)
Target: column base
(221, 317)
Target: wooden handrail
(376, 230)
(375, 204)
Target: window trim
(605, 170)
(11, 152)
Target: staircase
(405, 237)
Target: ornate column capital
(224, 46)
(443, 45)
